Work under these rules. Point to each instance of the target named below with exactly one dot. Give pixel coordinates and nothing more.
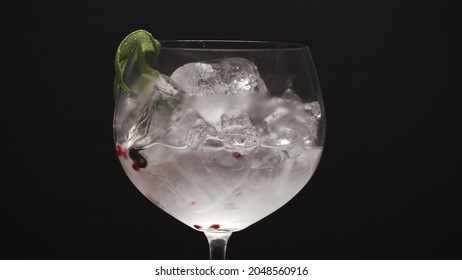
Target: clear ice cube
(179, 127)
(235, 119)
(227, 76)
(291, 95)
(142, 116)
(283, 121)
(199, 133)
(237, 132)
(217, 86)
(266, 165)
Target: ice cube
(237, 132)
(235, 119)
(283, 121)
(217, 86)
(242, 143)
(313, 108)
(266, 112)
(309, 114)
(266, 165)
(199, 132)
(291, 95)
(179, 128)
(210, 108)
(228, 167)
(142, 117)
(228, 153)
(227, 76)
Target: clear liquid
(215, 188)
(222, 158)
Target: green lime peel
(141, 41)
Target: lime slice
(141, 41)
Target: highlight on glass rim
(218, 134)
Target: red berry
(121, 151)
(197, 227)
(237, 155)
(135, 166)
(214, 226)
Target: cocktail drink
(221, 133)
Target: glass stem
(217, 244)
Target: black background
(388, 185)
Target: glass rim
(230, 45)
